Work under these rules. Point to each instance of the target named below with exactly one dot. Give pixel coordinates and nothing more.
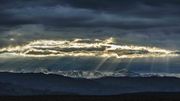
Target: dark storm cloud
(134, 21)
(129, 14)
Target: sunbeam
(129, 63)
(152, 65)
(101, 63)
(167, 64)
(111, 66)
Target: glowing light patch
(85, 47)
(11, 39)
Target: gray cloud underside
(134, 21)
(128, 15)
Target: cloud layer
(151, 21)
(106, 13)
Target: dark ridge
(43, 84)
(145, 96)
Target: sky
(146, 22)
